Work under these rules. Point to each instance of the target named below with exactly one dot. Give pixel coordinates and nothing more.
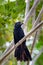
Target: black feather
(21, 52)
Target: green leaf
(40, 60)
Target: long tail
(22, 53)
(28, 55)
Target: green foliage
(2, 1)
(40, 41)
(38, 8)
(29, 24)
(31, 3)
(12, 8)
(9, 12)
(40, 60)
(2, 40)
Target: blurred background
(12, 11)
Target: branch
(11, 45)
(33, 16)
(39, 17)
(30, 12)
(27, 7)
(21, 41)
(26, 12)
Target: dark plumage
(21, 52)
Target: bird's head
(18, 24)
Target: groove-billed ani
(21, 52)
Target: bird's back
(18, 34)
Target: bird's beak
(21, 23)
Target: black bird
(21, 53)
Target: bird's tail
(22, 54)
(28, 55)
